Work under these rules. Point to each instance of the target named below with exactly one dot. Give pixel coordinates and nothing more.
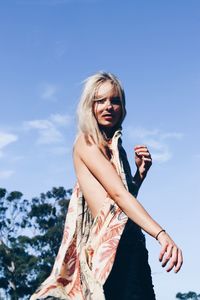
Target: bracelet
(163, 230)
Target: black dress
(130, 277)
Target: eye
(100, 101)
(116, 101)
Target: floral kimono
(87, 252)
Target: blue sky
(48, 47)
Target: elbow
(119, 196)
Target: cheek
(95, 110)
(119, 111)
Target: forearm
(137, 213)
(137, 182)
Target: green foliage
(13, 210)
(30, 235)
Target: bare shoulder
(79, 148)
(83, 143)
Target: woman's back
(94, 193)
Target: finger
(143, 153)
(143, 156)
(140, 146)
(168, 255)
(173, 260)
(146, 162)
(138, 155)
(142, 150)
(179, 262)
(147, 159)
(162, 252)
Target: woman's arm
(104, 172)
(143, 163)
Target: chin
(107, 125)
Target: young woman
(103, 253)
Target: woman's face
(107, 105)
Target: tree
(31, 233)
(13, 209)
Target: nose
(109, 104)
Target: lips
(107, 116)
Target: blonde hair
(87, 122)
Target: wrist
(136, 180)
(139, 175)
(159, 233)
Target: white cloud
(161, 156)
(49, 130)
(169, 135)
(48, 91)
(156, 141)
(155, 144)
(159, 151)
(6, 174)
(61, 120)
(141, 132)
(6, 139)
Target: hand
(170, 254)
(143, 160)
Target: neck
(108, 133)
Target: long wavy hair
(87, 122)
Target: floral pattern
(88, 248)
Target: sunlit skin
(107, 107)
(91, 166)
